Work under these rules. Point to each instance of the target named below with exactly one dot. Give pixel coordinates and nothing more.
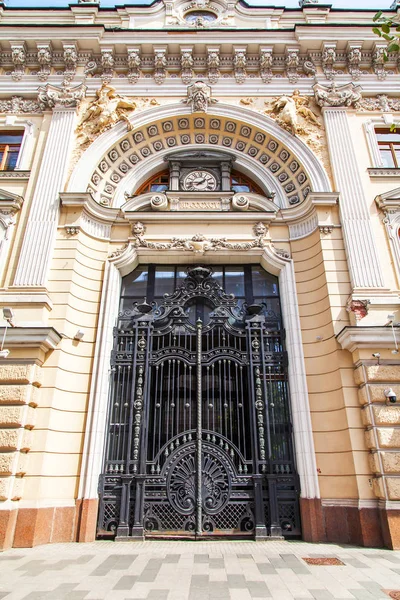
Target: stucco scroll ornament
(199, 96)
(105, 111)
(309, 67)
(18, 57)
(160, 67)
(198, 243)
(213, 62)
(65, 96)
(134, 62)
(239, 64)
(45, 57)
(187, 72)
(337, 96)
(266, 62)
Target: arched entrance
(198, 440)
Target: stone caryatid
(45, 57)
(354, 58)
(160, 66)
(65, 96)
(199, 96)
(337, 95)
(187, 72)
(70, 57)
(107, 64)
(266, 62)
(239, 65)
(105, 111)
(292, 63)
(18, 57)
(213, 62)
(134, 63)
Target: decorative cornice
(383, 172)
(43, 338)
(52, 96)
(15, 174)
(362, 337)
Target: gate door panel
(199, 439)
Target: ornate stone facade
(177, 137)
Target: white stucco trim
(119, 266)
(26, 150)
(247, 165)
(86, 165)
(383, 121)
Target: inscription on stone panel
(199, 205)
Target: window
(250, 284)
(160, 183)
(156, 183)
(389, 148)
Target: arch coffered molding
(118, 161)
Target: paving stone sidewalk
(161, 570)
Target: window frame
(7, 148)
(386, 131)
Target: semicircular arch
(118, 160)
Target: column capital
(65, 96)
(337, 96)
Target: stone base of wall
(369, 527)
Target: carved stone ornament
(105, 111)
(308, 3)
(187, 72)
(326, 229)
(378, 62)
(134, 62)
(381, 102)
(213, 62)
(358, 307)
(309, 67)
(288, 109)
(198, 243)
(107, 63)
(353, 62)
(334, 95)
(72, 229)
(239, 64)
(328, 60)
(199, 96)
(44, 56)
(19, 105)
(292, 63)
(18, 57)
(52, 96)
(160, 66)
(266, 62)
(70, 57)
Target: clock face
(200, 181)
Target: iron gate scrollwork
(199, 436)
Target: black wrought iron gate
(199, 436)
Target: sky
(289, 3)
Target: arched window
(160, 183)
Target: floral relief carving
(17, 104)
(52, 96)
(334, 95)
(198, 243)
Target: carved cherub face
(260, 229)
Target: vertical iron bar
(199, 500)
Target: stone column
(362, 255)
(36, 249)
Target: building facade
(199, 245)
